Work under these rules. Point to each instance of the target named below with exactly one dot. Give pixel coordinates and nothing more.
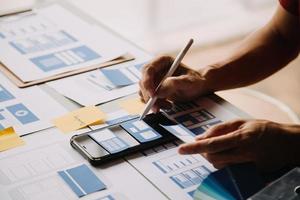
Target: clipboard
(124, 58)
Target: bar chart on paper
(175, 162)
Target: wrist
(212, 81)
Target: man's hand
(270, 145)
(185, 85)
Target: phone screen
(124, 138)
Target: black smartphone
(119, 140)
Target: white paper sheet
(27, 110)
(169, 171)
(197, 117)
(91, 88)
(43, 44)
(31, 173)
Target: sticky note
(82, 180)
(9, 139)
(133, 106)
(83, 117)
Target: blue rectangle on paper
(21, 113)
(109, 197)
(116, 77)
(85, 53)
(1, 116)
(181, 181)
(52, 62)
(5, 95)
(2, 36)
(83, 177)
(87, 180)
(71, 184)
(138, 134)
(194, 178)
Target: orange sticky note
(133, 106)
(9, 139)
(80, 118)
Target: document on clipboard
(51, 42)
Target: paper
(177, 175)
(200, 115)
(133, 106)
(93, 88)
(82, 180)
(44, 45)
(27, 110)
(31, 172)
(80, 118)
(9, 139)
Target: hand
(270, 145)
(186, 84)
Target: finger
(213, 145)
(144, 94)
(153, 73)
(161, 104)
(232, 156)
(221, 129)
(141, 96)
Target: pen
(171, 71)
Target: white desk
(30, 171)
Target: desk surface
(30, 171)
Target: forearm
(258, 56)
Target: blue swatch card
(82, 180)
(140, 130)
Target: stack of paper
(41, 44)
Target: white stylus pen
(173, 68)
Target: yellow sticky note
(9, 139)
(133, 106)
(80, 118)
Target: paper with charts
(195, 117)
(42, 44)
(26, 110)
(100, 86)
(51, 170)
(178, 176)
